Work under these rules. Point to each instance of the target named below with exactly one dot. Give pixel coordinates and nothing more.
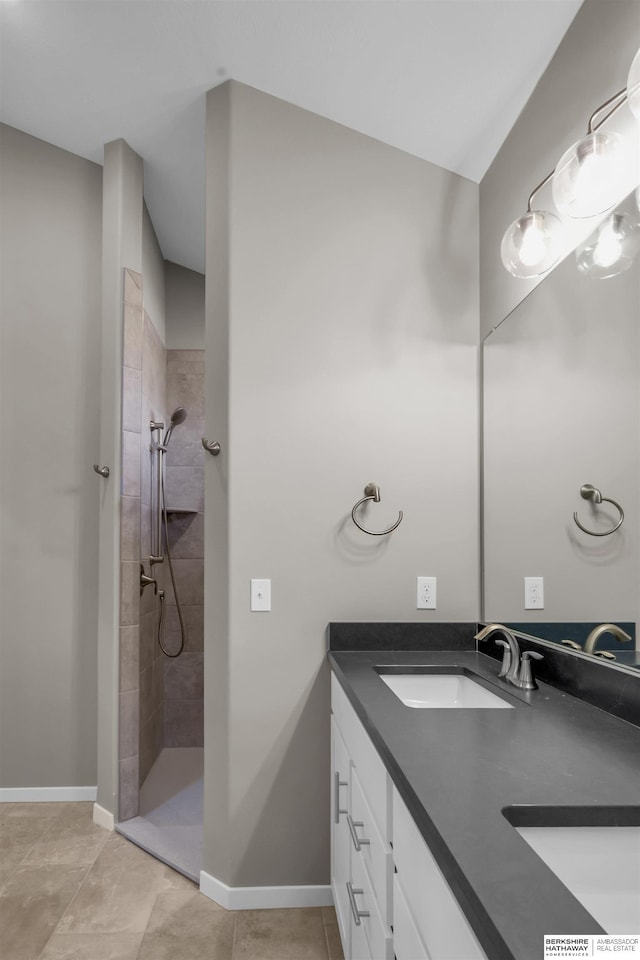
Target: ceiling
(441, 79)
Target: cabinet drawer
(377, 932)
(438, 918)
(376, 854)
(407, 944)
(371, 772)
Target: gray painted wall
(49, 438)
(590, 65)
(184, 291)
(335, 303)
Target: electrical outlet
(534, 593)
(427, 593)
(261, 595)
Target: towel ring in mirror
(589, 492)
(372, 492)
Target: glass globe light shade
(633, 86)
(532, 244)
(587, 178)
(611, 249)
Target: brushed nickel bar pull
(354, 906)
(103, 471)
(357, 842)
(211, 446)
(372, 492)
(337, 783)
(589, 492)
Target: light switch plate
(261, 596)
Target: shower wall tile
(148, 597)
(128, 788)
(132, 337)
(133, 287)
(186, 534)
(129, 658)
(189, 577)
(145, 530)
(131, 399)
(151, 734)
(129, 593)
(154, 376)
(146, 461)
(147, 640)
(184, 723)
(130, 464)
(185, 449)
(129, 724)
(185, 461)
(185, 487)
(129, 528)
(185, 379)
(153, 407)
(183, 677)
(193, 617)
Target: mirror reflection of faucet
(596, 633)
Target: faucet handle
(506, 657)
(525, 680)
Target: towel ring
(372, 492)
(589, 492)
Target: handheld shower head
(178, 416)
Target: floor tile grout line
(235, 930)
(80, 885)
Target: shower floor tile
(170, 822)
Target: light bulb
(608, 247)
(591, 174)
(531, 245)
(611, 250)
(633, 86)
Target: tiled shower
(161, 698)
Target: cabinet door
(439, 920)
(340, 836)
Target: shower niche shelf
(180, 511)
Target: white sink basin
(442, 691)
(599, 865)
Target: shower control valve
(145, 581)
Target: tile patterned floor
(70, 890)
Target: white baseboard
(103, 818)
(46, 794)
(263, 898)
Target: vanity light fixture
(611, 250)
(585, 183)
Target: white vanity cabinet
(428, 923)
(390, 895)
(361, 860)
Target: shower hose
(175, 592)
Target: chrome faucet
(511, 657)
(596, 633)
(515, 669)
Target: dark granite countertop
(457, 769)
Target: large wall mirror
(561, 398)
